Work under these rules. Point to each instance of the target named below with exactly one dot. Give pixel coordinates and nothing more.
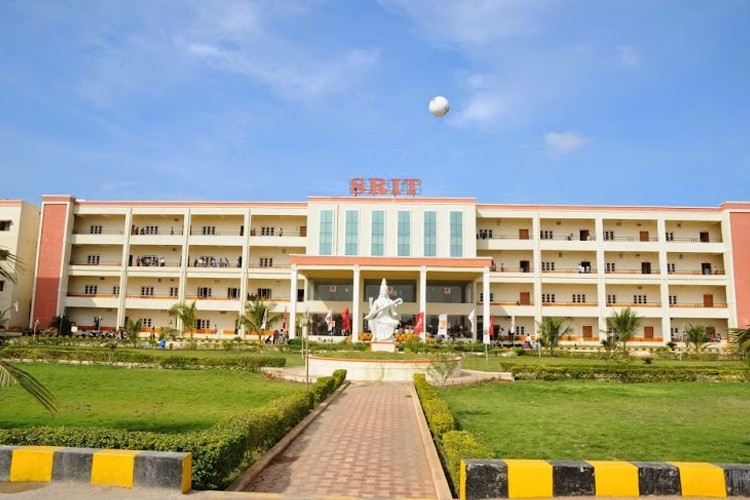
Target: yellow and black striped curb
(126, 468)
(548, 478)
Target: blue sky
(587, 101)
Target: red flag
(419, 326)
(345, 320)
(491, 326)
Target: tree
(696, 336)
(8, 259)
(62, 324)
(188, 314)
(622, 325)
(132, 329)
(4, 318)
(551, 329)
(740, 339)
(255, 311)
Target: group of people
(214, 262)
(150, 261)
(278, 337)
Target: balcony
(633, 271)
(570, 304)
(699, 304)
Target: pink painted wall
(49, 265)
(740, 227)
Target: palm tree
(132, 329)
(622, 325)
(696, 336)
(740, 338)
(255, 311)
(7, 258)
(551, 329)
(188, 314)
(10, 374)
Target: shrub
(457, 445)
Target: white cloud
(563, 143)
(482, 109)
(472, 22)
(628, 56)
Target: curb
(124, 468)
(547, 478)
(259, 465)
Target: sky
(637, 102)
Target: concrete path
(369, 442)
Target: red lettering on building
(377, 186)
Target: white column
(356, 300)
(292, 326)
(423, 293)
(486, 300)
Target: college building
(101, 262)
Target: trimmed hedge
(181, 361)
(453, 445)
(220, 453)
(630, 374)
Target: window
(611, 299)
(457, 232)
(265, 262)
(520, 330)
(378, 233)
(670, 236)
(673, 300)
(404, 231)
(548, 266)
(174, 291)
(147, 291)
(609, 235)
(95, 229)
(208, 230)
(326, 232)
(430, 234)
(93, 260)
(639, 299)
(264, 293)
(675, 331)
(352, 233)
(146, 322)
(481, 297)
(545, 235)
(5, 225)
(484, 234)
(204, 292)
(670, 268)
(609, 267)
(233, 293)
(203, 324)
(267, 230)
(90, 289)
(579, 298)
(548, 298)
(2, 286)
(150, 230)
(116, 290)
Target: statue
(383, 318)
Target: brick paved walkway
(365, 444)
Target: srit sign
(377, 186)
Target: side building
(101, 262)
(19, 231)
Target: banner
(329, 320)
(443, 325)
(419, 326)
(264, 324)
(346, 323)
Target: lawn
(687, 421)
(138, 399)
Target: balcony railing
(210, 297)
(504, 269)
(154, 296)
(508, 303)
(633, 304)
(199, 232)
(96, 233)
(699, 304)
(139, 231)
(93, 295)
(632, 271)
(570, 237)
(101, 263)
(571, 270)
(695, 240)
(254, 233)
(274, 266)
(693, 272)
(632, 238)
(574, 304)
(483, 236)
(213, 262)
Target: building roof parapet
(347, 260)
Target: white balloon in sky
(439, 106)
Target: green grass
(504, 363)
(689, 421)
(138, 399)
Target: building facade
(100, 262)
(19, 231)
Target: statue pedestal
(383, 346)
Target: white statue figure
(383, 318)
